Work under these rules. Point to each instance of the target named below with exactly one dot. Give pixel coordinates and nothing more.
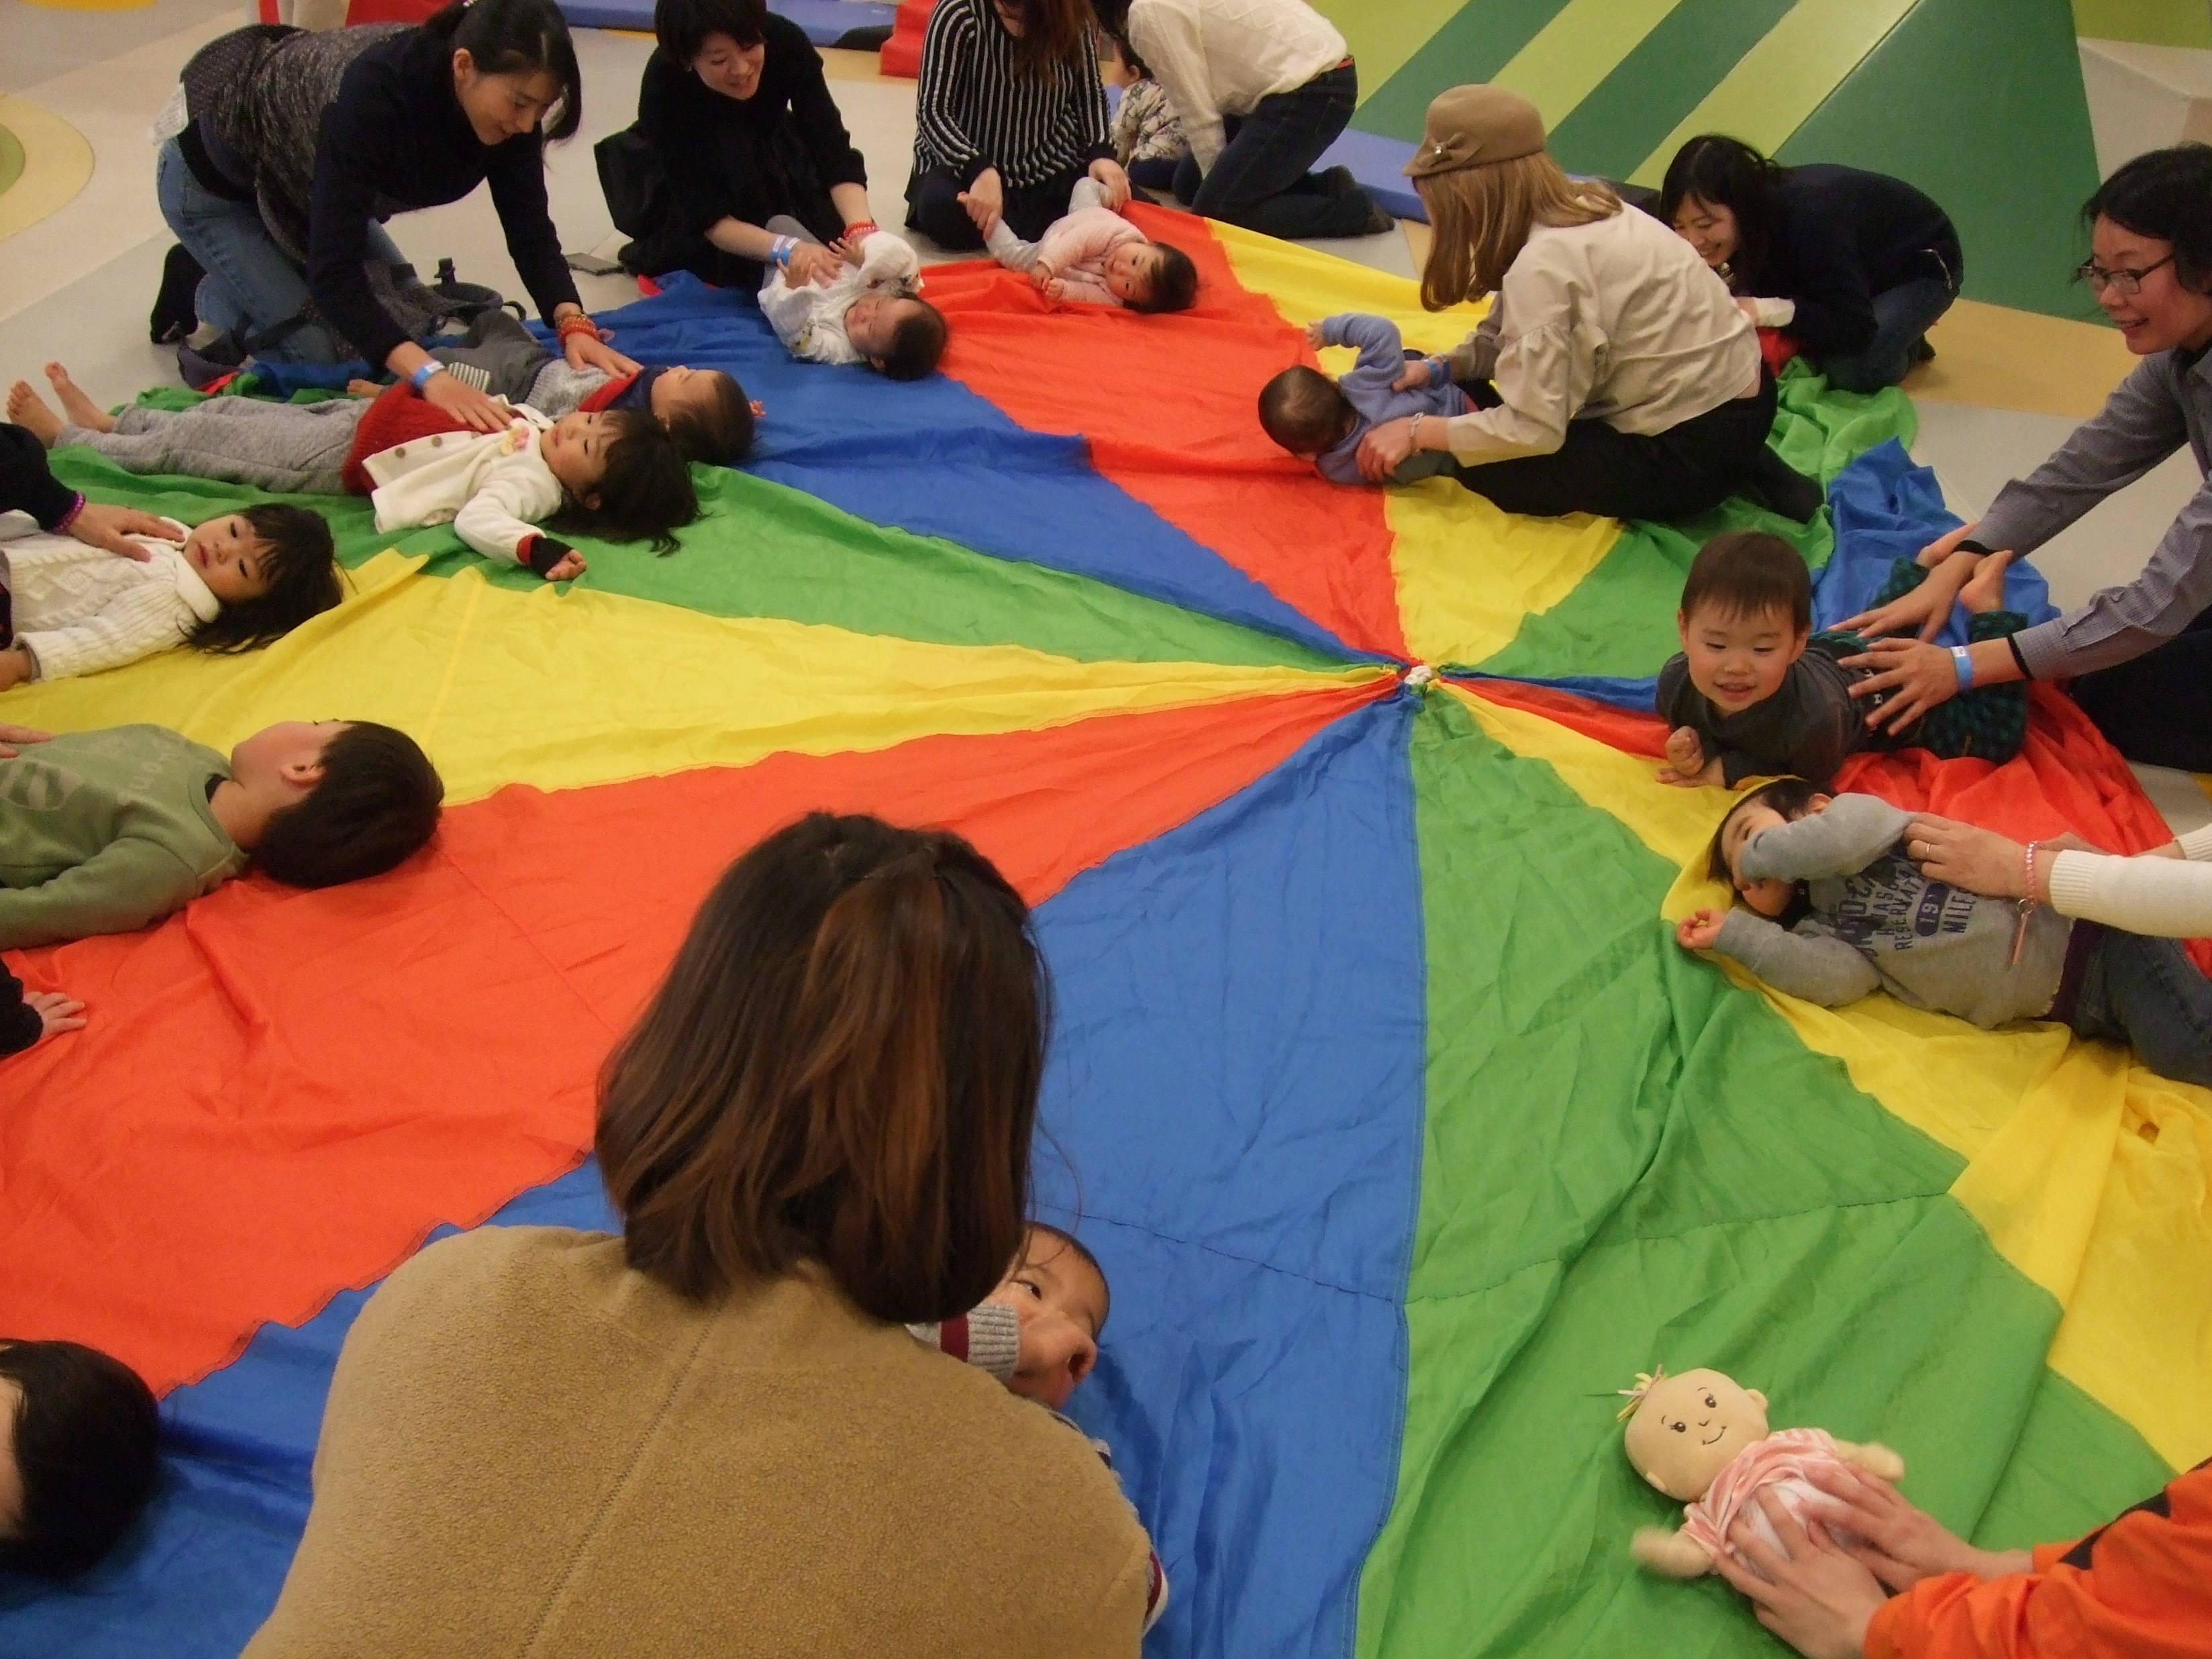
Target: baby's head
(902, 337)
(270, 567)
(1060, 1290)
(345, 799)
(1305, 411)
(1152, 276)
(1747, 613)
(77, 1454)
(706, 412)
(1683, 1430)
(625, 479)
(1785, 800)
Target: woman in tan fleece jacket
(712, 1435)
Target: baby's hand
(1687, 764)
(1055, 288)
(569, 565)
(57, 1011)
(1701, 930)
(1040, 276)
(1315, 337)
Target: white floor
(77, 286)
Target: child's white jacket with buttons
(494, 487)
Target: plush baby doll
(1702, 1439)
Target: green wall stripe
(1578, 49)
(1771, 90)
(1383, 37)
(2007, 149)
(1635, 107)
(1478, 41)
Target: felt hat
(1475, 125)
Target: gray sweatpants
(1010, 250)
(293, 449)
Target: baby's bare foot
(80, 408)
(26, 409)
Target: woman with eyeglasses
(2139, 654)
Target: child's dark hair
(517, 37)
(1791, 797)
(300, 562)
(1304, 410)
(1746, 573)
(681, 26)
(2167, 194)
(917, 344)
(377, 803)
(646, 492)
(1109, 41)
(85, 1440)
(1082, 1255)
(722, 433)
(1174, 285)
(1728, 172)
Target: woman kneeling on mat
(714, 1434)
(1614, 374)
(735, 107)
(1854, 267)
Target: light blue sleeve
(1380, 344)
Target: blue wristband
(1439, 372)
(1963, 660)
(421, 377)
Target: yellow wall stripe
(1780, 81)
(1577, 50)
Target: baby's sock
(1009, 250)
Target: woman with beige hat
(1614, 373)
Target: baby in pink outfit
(1094, 256)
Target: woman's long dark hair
(1055, 34)
(1728, 172)
(2167, 194)
(841, 1068)
(518, 37)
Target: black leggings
(2158, 709)
(933, 208)
(1688, 469)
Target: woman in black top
(297, 144)
(1010, 113)
(1853, 266)
(735, 107)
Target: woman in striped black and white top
(1009, 116)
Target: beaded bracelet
(861, 228)
(75, 508)
(2026, 904)
(579, 324)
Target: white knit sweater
(2164, 898)
(80, 609)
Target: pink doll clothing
(1074, 249)
(1777, 1464)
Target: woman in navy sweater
(1855, 267)
(298, 145)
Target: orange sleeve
(2139, 1589)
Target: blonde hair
(1482, 217)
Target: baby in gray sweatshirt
(1833, 907)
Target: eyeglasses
(2129, 283)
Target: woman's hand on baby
(1917, 676)
(1701, 930)
(582, 351)
(1892, 1537)
(1113, 180)
(812, 263)
(1925, 610)
(57, 1013)
(1418, 370)
(1385, 448)
(985, 198)
(1979, 860)
(12, 735)
(568, 567)
(471, 407)
(112, 527)
(1809, 1592)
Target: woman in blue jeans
(1262, 88)
(296, 146)
(1855, 267)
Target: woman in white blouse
(2166, 893)
(1262, 88)
(1614, 373)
